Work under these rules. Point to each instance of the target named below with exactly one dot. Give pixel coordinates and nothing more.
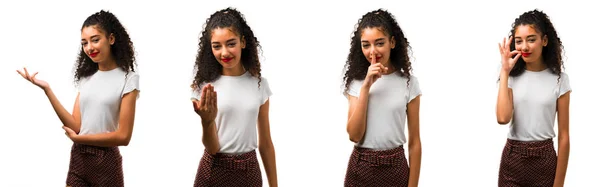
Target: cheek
(237, 52)
(366, 52)
(216, 53)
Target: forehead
(90, 31)
(525, 30)
(222, 34)
(372, 33)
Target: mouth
(94, 54)
(377, 59)
(226, 59)
(525, 54)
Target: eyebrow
(533, 35)
(230, 40)
(377, 40)
(83, 39)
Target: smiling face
(95, 44)
(374, 42)
(227, 48)
(530, 43)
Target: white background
(305, 47)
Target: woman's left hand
(70, 133)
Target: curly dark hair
(207, 67)
(122, 49)
(551, 53)
(357, 65)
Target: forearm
(111, 139)
(357, 123)
(65, 117)
(414, 150)
(504, 105)
(210, 138)
(562, 161)
(267, 153)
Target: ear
(545, 40)
(111, 39)
(243, 42)
(393, 42)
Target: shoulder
(131, 74)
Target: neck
(236, 71)
(391, 68)
(538, 65)
(107, 65)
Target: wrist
(366, 85)
(75, 138)
(207, 123)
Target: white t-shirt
(386, 111)
(238, 100)
(100, 98)
(534, 103)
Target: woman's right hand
(31, 78)
(375, 71)
(508, 61)
(206, 107)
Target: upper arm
(562, 108)
(127, 112)
(264, 131)
(352, 101)
(412, 115)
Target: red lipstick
(226, 59)
(377, 59)
(525, 54)
(94, 54)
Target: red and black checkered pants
(228, 170)
(369, 167)
(527, 164)
(95, 166)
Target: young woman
(533, 89)
(382, 96)
(104, 110)
(228, 64)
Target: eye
(531, 40)
(231, 44)
(518, 42)
(216, 46)
(95, 40)
(365, 45)
(380, 44)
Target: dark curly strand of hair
(207, 67)
(122, 49)
(551, 53)
(357, 65)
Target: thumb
(195, 104)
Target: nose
(524, 47)
(373, 52)
(89, 48)
(224, 53)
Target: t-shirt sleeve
(353, 89)
(565, 85)
(414, 89)
(265, 90)
(81, 83)
(132, 82)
